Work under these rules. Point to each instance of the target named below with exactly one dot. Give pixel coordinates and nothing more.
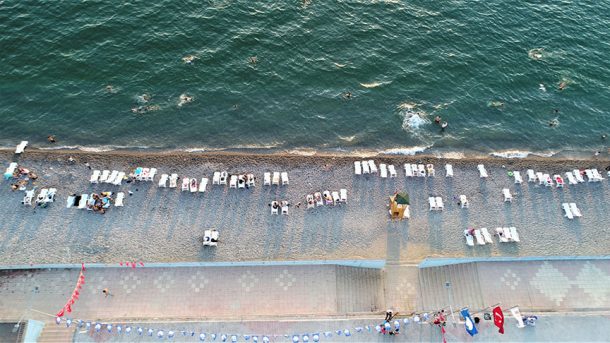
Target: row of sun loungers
(86, 199)
(46, 195)
(326, 198)
(114, 178)
(571, 210)
(574, 177)
(436, 203)
(276, 205)
(144, 174)
(191, 184)
(482, 236)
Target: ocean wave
(521, 154)
(405, 151)
(347, 139)
(374, 84)
(413, 120)
(99, 148)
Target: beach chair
(193, 185)
(285, 207)
(558, 180)
(518, 178)
(104, 176)
(151, 174)
(185, 184)
(343, 195)
(233, 182)
(90, 202)
(415, 170)
(567, 210)
(365, 167)
(241, 181)
(589, 174)
(575, 211)
(285, 178)
(223, 177)
(27, 198)
(448, 170)
(8, 174)
(118, 202)
(507, 196)
(250, 180)
(119, 179)
(548, 182)
(137, 174)
(318, 199)
(163, 180)
(309, 200)
(70, 201)
(210, 237)
(421, 170)
(432, 202)
(597, 177)
(95, 176)
(216, 178)
(357, 168)
(372, 166)
(407, 213)
(479, 237)
(275, 206)
(203, 185)
(464, 201)
(578, 176)
(112, 176)
(482, 171)
(501, 235)
(336, 197)
(392, 170)
(430, 169)
(383, 170)
(514, 234)
(145, 174)
(328, 199)
(275, 180)
(173, 181)
(439, 203)
(267, 179)
(408, 171)
(83, 201)
(531, 176)
(486, 235)
(571, 178)
(469, 238)
(50, 195)
(41, 196)
(21, 147)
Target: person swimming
(562, 85)
(51, 139)
(554, 122)
(437, 120)
(444, 125)
(253, 60)
(347, 95)
(188, 59)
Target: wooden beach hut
(399, 206)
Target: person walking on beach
(107, 292)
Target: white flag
(517, 314)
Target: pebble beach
(166, 225)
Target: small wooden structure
(399, 206)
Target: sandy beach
(166, 225)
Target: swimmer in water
(542, 88)
(188, 59)
(553, 123)
(109, 89)
(604, 136)
(51, 139)
(253, 60)
(562, 85)
(437, 120)
(347, 95)
(444, 125)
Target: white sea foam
(410, 151)
(406, 106)
(521, 154)
(413, 120)
(100, 148)
(339, 65)
(348, 138)
(535, 54)
(374, 84)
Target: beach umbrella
(402, 198)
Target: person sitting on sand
(32, 175)
(14, 186)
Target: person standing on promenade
(107, 292)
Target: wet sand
(166, 225)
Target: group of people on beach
(23, 176)
(97, 202)
(386, 328)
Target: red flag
(60, 313)
(68, 308)
(142, 264)
(82, 267)
(76, 293)
(121, 264)
(499, 319)
(133, 265)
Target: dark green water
(474, 63)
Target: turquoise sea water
(477, 64)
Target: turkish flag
(121, 264)
(68, 308)
(133, 265)
(499, 319)
(82, 267)
(60, 313)
(142, 264)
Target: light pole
(450, 298)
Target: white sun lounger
(151, 174)
(336, 197)
(21, 147)
(267, 179)
(578, 176)
(482, 171)
(186, 183)
(193, 185)
(365, 167)
(318, 199)
(285, 207)
(42, 195)
(372, 166)
(448, 170)
(241, 181)
(277, 207)
(464, 201)
(548, 182)
(571, 178)
(163, 180)
(83, 201)
(575, 211)
(112, 176)
(432, 203)
(531, 176)
(486, 235)
(392, 170)
(430, 169)
(216, 178)
(421, 170)
(343, 195)
(479, 237)
(514, 234)
(276, 179)
(51, 195)
(540, 178)
(119, 179)
(408, 171)
(469, 238)
(567, 210)
(383, 170)
(10, 170)
(250, 180)
(439, 203)
(210, 237)
(95, 176)
(558, 180)
(518, 178)
(589, 174)
(596, 175)
(284, 178)
(407, 212)
(507, 196)
(309, 201)
(357, 168)
(27, 199)
(173, 181)
(223, 177)
(233, 181)
(118, 202)
(501, 235)
(104, 175)
(70, 201)
(203, 185)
